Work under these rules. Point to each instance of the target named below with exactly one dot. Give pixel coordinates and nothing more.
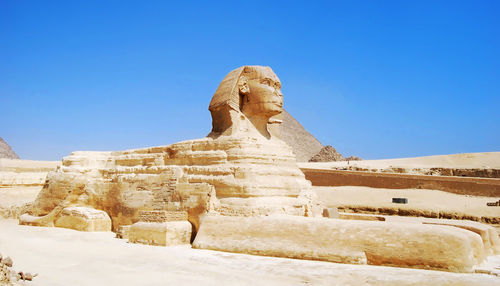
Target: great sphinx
(241, 191)
(241, 168)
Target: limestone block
(26, 219)
(488, 234)
(122, 231)
(331, 213)
(344, 241)
(84, 219)
(165, 233)
(162, 216)
(357, 216)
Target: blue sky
(376, 79)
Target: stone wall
(459, 185)
(24, 172)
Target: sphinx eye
(266, 81)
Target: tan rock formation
(164, 228)
(345, 241)
(164, 233)
(84, 219)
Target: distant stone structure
(238, 190)
(329, 154)
(6, 151)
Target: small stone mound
(327, 154)
(8, 276)
(353, 158)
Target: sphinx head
(248, 98)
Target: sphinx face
(265, 97)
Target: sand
(18, 195)
(17, 165)
(487, 160)
(68, 257)
(421, 199)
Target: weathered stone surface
(331, 213)
(122, 231)
(164, 233)
(74, 217)
(488, 234)
(8, 261)
(345, 241)
(84, 219)
(162, 216)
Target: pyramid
(304, 144)
(6, 151)
(327, 154)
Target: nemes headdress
(225, 105)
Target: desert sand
(418, 199)
(18, 195)
(68, 257)
(487, 160)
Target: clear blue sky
(376, 79)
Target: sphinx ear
(243, 86)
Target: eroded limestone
(345, 241)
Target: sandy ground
(68, 257)
(456, 161)
(27, 165)
(17, 196)
(417, 199)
